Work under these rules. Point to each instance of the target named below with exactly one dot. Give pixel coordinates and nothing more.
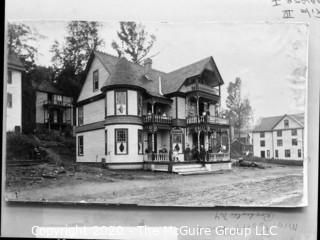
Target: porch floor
(187, 168)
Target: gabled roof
(127, 73)
(124, 72)
(15, 62)
(268, 123)
(47, 86)
(108, 61)
(175, 79)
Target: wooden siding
(93, 146)
(110, 102)
(132, 155)
(93, 112)
(40, 98)
(132, 102)
(181, 108)
(90, 127)
(87, 88)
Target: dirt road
(273, 186)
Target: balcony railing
(157, 157)
(202, 87)
(153, 118)
(207, 119)
(56, 103)
(54, 121)
(217, 157)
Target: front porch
(187, 168)
(164, 162)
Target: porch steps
(190, 169)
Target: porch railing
(207, 119)
(202, 87)
(157, 157)
(55, 121)
(154, 118)
(215, 157)
(57, 103)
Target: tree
(21, 41)
(70, 58)
(135, 41)
(239, 110)
(82, 39)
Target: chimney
(147, 64)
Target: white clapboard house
(279, 137)
(15, 69)
(133, 116)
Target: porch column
(229, 141)
(152, 107)
(197, 98)
(49, 124)
(199, 140)
(206, 141)
(152, 141)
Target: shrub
(20, 146)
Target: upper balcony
(206, 91)
(202, 88)
(207, 120)
(157, 119)
(56, 104)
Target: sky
(266, 56)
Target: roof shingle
(14, 61)
(124, 72)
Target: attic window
(95, 78)
(286, 123)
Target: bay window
(121, 102)
(121, 141)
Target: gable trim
(90, 99)
(286, 115)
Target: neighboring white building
(279, 137)
(14, 93)
(127, 113)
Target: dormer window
(95, 78)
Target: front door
(60, 117)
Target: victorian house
(53, 108)
(279, 137)
(133, 116)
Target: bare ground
(273, 186)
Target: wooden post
(152, 141)
(229, 141)
(152, 107)
(197, 105)
(199, 140)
